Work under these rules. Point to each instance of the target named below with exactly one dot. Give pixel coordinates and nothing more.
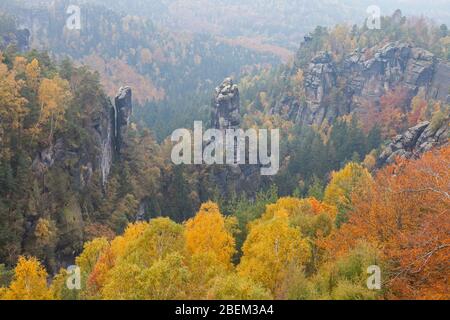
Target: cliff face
(104, 133)
(124, 109)
(395, 64)
(106, 129)
(319, 81)
(81, 162)
(366, 75)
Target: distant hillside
(281, 23)
(162, 66)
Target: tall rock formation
(226, 106)
(226, 115)
(104, 132)
(124, 109)
(319, 81)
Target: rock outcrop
(365, 76)
(225, 115)
(84, 161)
(320, 79)
(47, 157)
(415, 141)
(124, 109)
(369, 76)
(226, 105)
(106, 128)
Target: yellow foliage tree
(204, 269)
(160, 238)
(122, 283)
(370, 160)
(45, 232)
(147, 262)
(20, 64)
(87, 261)
(273, 250)
(12, 109)
(108, 256)
(236, 287)
(302, 213)
(29, 283)
(33, 73)
(166, 279)
(91, 252)
(314, 219)
(208, 232)
(53, 98)
(139, 248)
(351, 180)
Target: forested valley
(86, 176)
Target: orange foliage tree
(406, 214)
(392, 116)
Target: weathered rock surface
(366, 75)
(415, 141)
(104, 126)
(441, 83)
(46, 158)
(226, 105)
(319, 81)
(124, 109)
(396, 64)
(106, 129)
(225, 115)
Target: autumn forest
(93, 207)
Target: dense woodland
(309, 232)
(312, 259)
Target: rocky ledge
(365, 76)
(415, 141)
